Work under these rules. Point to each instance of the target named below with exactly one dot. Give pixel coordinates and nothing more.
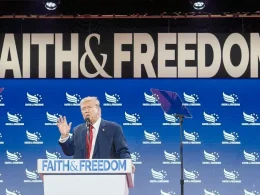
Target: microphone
(87, 120)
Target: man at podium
(95, 139)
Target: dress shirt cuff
(62, 140)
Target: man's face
(89, 109)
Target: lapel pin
(103, 129)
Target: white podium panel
(83, 177)
(85, 184)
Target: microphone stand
(181, 117)
(87, 120)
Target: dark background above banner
(130, 48)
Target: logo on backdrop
(32, 177)
(230, 100)
(214, 192)
(14, 119)
(212, 158)
(230, 138)
(55, 155)
(192, 100)
(135, 156)
(1, 137)
(167, 193)
(52, 118)
(211, 119)
(112, 100)
(34, 100)
(254, 192)
(151, 138)
(251, 119)
(159, 176)
(132, 119)
(1, 97)
(192, 138)
(231, 177)
(72, 100)
(34, 138)
(1, 181)
(15, 192)
(151, 100)
(13, 158)
(171, 119)
(251, 158)
(191, 176)
(171, 158)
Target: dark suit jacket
(110, 142)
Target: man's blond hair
(90, 99)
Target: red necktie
(89, 139)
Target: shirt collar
(97, 124)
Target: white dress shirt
(95, 132)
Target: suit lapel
(99, 136)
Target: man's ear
(99, 111)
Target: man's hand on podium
(133, 168)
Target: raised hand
(63, 127)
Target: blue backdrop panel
(221, 141)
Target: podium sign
(82, 176)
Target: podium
(86, 177)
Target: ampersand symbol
(73, 167)
(99, 67)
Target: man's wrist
(64, 136)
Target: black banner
(130, 55)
